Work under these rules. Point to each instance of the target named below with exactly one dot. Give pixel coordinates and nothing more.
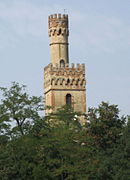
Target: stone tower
(63, 83)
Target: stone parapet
(60, 20)
(58, 25)
(65, 77)
(73, 67)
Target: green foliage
(104, 125)
(19, 108)
(57, 147)
(65, 116)
(121, 155)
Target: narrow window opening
(68, 99)
(62, 63)
(59, 31)
(68, 81)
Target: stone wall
(62, 80)
(58, 82)
(58, 34)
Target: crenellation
(56, 19)
(77, 68)
(73, 65)
(58, 16)
(55, 15)
(56, 68)
(83, 66)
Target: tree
(121, 157)
(18, 113)
(57, 147)
(103, 132)
(105, 125)
(46, 152)
(65, 115)
(4, 126)
(19, 109)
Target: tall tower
(58, 33)
(63, 84)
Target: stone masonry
(63, 83)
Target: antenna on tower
(64, 11)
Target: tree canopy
(57, 146)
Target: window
(59, 31)
(68, 99)
(62, 63)
(68, 81)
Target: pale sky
(99, 37)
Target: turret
(58, 34)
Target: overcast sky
(99, 37)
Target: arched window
(59, 31)
(68, 81)
(68, 99)
(62, 63)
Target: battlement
(67, 76)
(58, 16)
(58, 19)
(58, 24)
(68, 67)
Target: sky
(99, 37)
